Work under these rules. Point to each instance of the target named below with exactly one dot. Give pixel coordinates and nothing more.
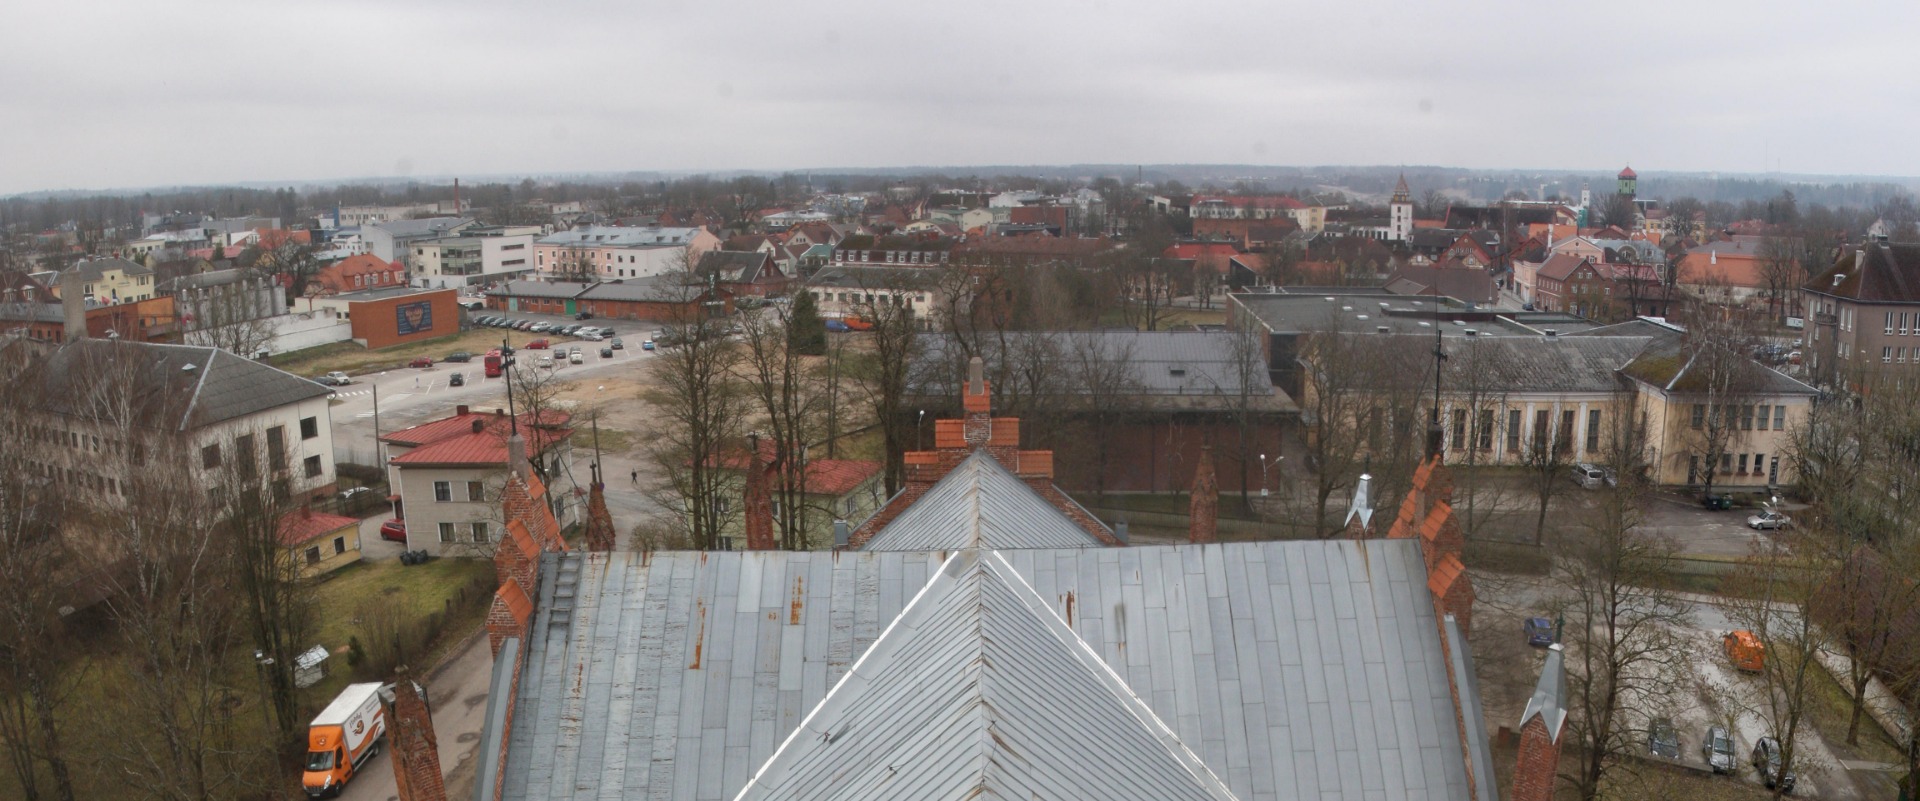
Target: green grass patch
(612, 440)
(428, 608)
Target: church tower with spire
(1400, 212)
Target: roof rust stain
(700, 638)
(1069, 608)
(1120, 628)
(799, 599)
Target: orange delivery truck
(342, 738)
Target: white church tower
(1400, 212)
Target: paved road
(459, 699)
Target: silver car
(1717, 748)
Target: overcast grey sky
(126, 94)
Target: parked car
(591, 336)
(350, 493)
(544, 361)
(1589, 476)
(394, 530)
(583, 316)
(540, 328)
(458, 356)
(1767, 520)
(336, 379)
(1662, 739)
(1766, 761)
(538, 344)
(618, 345)
(576, 357)
(1539, 631)
(457, 380)
(571, 329)
(1717, 748)
(606, 353)
(836, 326)
(523, 325)
(421, 361)
(1717, 502)
(646, 345)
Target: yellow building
(110, 282)
(320, 542)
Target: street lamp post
(1264, 492)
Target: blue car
(837, 326)
(1539, 631)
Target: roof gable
(979, 690)
(980, 505)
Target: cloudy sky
(127, 94)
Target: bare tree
(1620, 623)
(1547, 457)
(232, 316)
(882, 372)
(792, 408)
(1783, 267)
(700, 412)
(269, 580)
(36, 679)
(1723, 382)
(1772, 594)
(1100, 384)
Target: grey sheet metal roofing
(980, 505)
(1294, 670)
(219, 387)
(979, 689)
(1158, 362)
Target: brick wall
(375, 321)
(415, 749)
(1539, 760)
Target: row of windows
(1481, 435)
(81, 478)
(868, 298)
(443, 491)
(892, 256)
(1737, 464)
(479, 531)
(1744, 415)
(1903, 323)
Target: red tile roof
(824, 476)
(453, 441)
(305, 525)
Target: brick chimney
(1540, 728)
(416, 752)
(759, 501)
(1203, 511)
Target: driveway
(1701, 533)
(459, 702)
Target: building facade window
(442, 491)
(339, 545)
(1593, 430)
(210, 457)
(312, 466)
(1779, 418)
(481, 535)
(309, 427)
(1699, 415)
(1513, 430)
(476, 491)
(446, 532)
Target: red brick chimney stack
(600, 532)
(759, 503)
(416, 752)
(1540, 727)
(1203, 511)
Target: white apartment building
(600, 252)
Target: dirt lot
(352, 359)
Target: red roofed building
(320, 542)
(354, 273)
(834, 489)
(447, 475)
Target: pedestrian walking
(636, 476)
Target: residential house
(1726, 271)
(852, 290)
(320, 542)
(109, 282)
(831, 490)
(753, 273)
(1687, 405)
(1865, 313)
(1599, 290)
(600, 252)
(356, 273)
(862, 250)
(447, 475)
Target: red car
(421, 361)
(394, 530)
(538, 344)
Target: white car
(576, 357)
(1769, 520)
(544, 361)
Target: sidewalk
(1881, 705)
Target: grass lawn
(350, 358)
(612, 440)
(418, 590)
